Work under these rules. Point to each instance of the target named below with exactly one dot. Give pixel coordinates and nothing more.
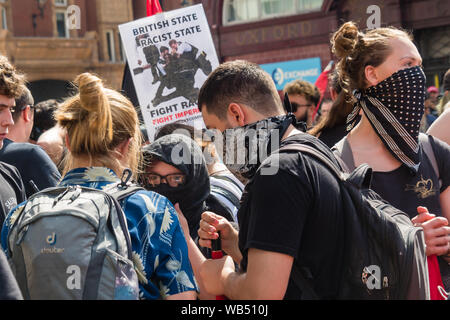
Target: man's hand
(214, 272)
(210, 226)
(436, 230)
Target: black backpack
(384, 256)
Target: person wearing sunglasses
(304, 97)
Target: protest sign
(170, 55)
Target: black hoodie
(184, 154)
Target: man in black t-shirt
(290, 214)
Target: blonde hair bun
(94, 101)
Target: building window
(4, 19)
(110, 46)
(434, 47)
(61, 3)
(276, 7)
(242, 11)
(121, 49)
(61, 26)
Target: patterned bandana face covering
(246, 147)
(394, 108)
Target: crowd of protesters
(272, 212)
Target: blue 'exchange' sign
(284, 72)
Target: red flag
(322, 85)
(153, 7)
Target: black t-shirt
(12, 191)
(33, 164)
(406, 191)
(297, 212)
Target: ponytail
(97, 120)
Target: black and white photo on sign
(170, 55)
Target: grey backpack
(73, 243)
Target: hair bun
(90, 88)
(345, 40)
(94, 101)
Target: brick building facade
(300, 35)
(35, 37)
(33, 34)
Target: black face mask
(172, 193)
(394, 108)
(246, 147)
(184, 154)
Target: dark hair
(172, 41)
(44, 117)
(172, 127)
(25, 99)
(189, 131)
(303, 88)
(241, 82)
(163, 48)
(144, 133)
(338, 114)
(334, 81)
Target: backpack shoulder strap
(427, 145)
(316, 154)
(344, 154)
(425, 141)
(123, 193)
(116, 197)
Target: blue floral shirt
(160, 252)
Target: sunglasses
(295, 106)
(173, 180)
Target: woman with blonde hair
(382, 69)
(103, 139)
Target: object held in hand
(216, 253)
